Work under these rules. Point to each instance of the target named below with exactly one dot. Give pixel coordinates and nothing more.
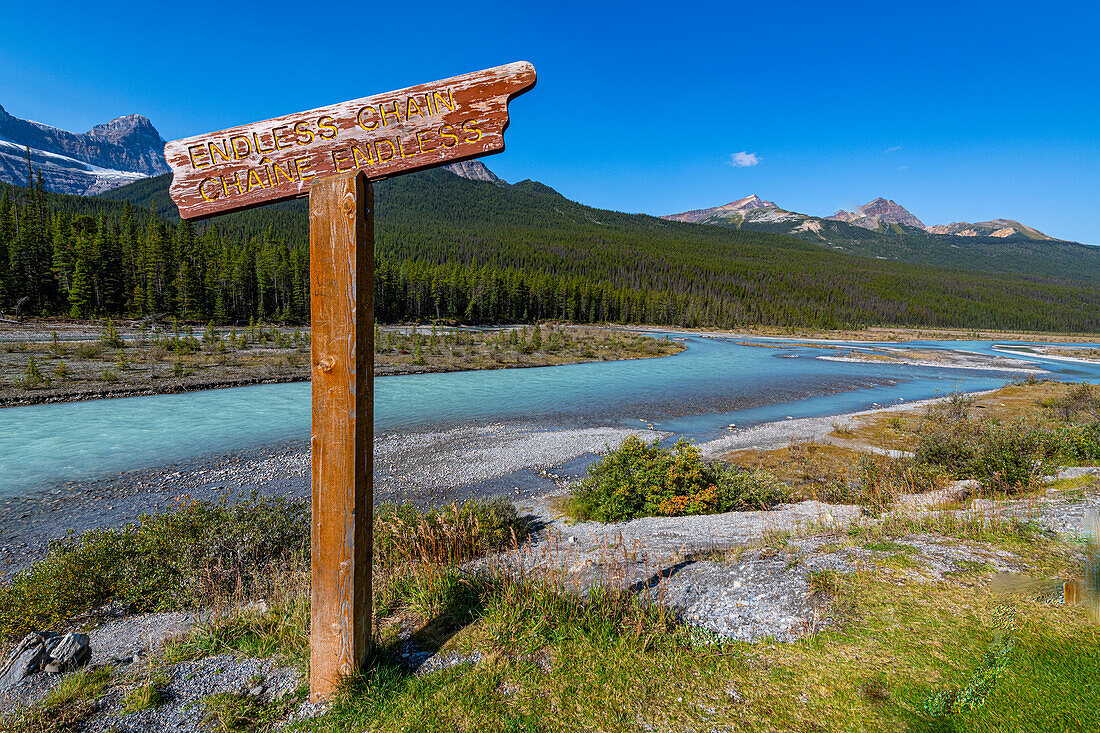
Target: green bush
(1075, 443)
(1001, 455)
(446, 535)
(640, 479)
(198, 552)
(178, 559)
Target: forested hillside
(1015, 255)
(481, 252)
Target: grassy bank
(904, 650)
(84, 360)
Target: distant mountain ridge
(886, 230)
(879, 215)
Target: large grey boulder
(25, 659)
(44, 651)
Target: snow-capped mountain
(880, 215)
(877, 213)
(107, 156)
(121, 151)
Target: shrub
(641, 479)
(1075, 443)
(110, 336)
(200, 552)
(178, 559)
(1004, 456)
(88, 351)
(880, 480)
(448, 535)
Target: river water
(698, 393)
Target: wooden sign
(386, 134)
(330, 153)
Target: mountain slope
(476, 251)
(109, 155)
(879, 231)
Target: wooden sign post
(332, 154)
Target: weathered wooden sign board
(382, 135)
(332, 154)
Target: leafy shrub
(1004, 456)
(178, 559)
(641, 479)
(199, 552)
(88, 351)
(880, 480)
(1080, 399)
(1074, 443)
(448, 535)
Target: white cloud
(743, 159)
(892, 149)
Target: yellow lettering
(410, 106)
(337, 156)
(286, 174)
(470, 128)
(420, 141)
(359, 119)
(400, 147)
(222, 151)
(329, 125)
(356, 154)
(226, 183)
(248, 184)
(259, 148)
(298, 167)
(298, 129)
(428, 102)
(237, 152)
(378, 145)
(448, 132)
(449, 100)
(396, 112)
(203, 192)
(278, 142)
(191, 153)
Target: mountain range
(880, 215)
(129, 149)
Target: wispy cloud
(903, 167)
(744, 159)
(892, 149)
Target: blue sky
(958, 111)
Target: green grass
(146, 696)
(64, 708)
(592, 666)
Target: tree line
(475, 252)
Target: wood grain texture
(382, 135)
(341, 274)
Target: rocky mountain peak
(874, 214)
(109, 155)
(473, 170)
